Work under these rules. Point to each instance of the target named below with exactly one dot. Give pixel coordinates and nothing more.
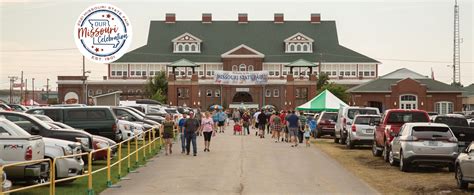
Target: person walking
(255, 119)
(262, 121)
(207, 130)
(198, 116)
(221, 118)
(180, 124)
(284, 131)
(246, 122)
(190, 128)
(311, 128)
(301, 131)
(167, 133)
(277, 126)
(236, 116)
(293, 127)
(215, 119)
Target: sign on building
(241, 78)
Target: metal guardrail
(147, 142)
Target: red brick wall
(229, 62)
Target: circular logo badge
(103, 33)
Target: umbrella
(216, 107)
(268, 107)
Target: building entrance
(242, 97)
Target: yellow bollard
(119, 159)
(144, 146)
(52, 173)
(128, 154)
(109, 179)
(90, 191)
(149, 142)
(136, 150)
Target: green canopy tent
(325, 101)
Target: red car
(389, 126)
(325, 124)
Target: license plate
(369, 131)
(432, 143)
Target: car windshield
(452, 121)
(329, 116)
(431, 132)
(406, 117)
(351, 113)
(365, 120)
(136, 111)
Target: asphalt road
(243, 165)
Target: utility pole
(47, 90)
(26, 92)
(12, 81)
(84, 92)
(21, 88)
(33, 87)
(456, 48)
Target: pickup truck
(17, 145)
(34, 126)
(460, 127)
(389, 126)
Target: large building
(405, 89)
(196, 55)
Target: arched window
(193, 47)
(235, 68)
(298, 47)
(292, 47)
(209, 93)
(276, 93)
(408, 101)
(186, 47)
(130, 91)
(90, 92)
(98, 92)
(444, 107)
(180, 47)
(242, 67)
(217, 93)
(305, 47)
(250, 68)
(268, 93)
(139, 91)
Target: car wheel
(404, 165)
(460, 182)
(349, 143)
(385, 152)
(375, 151)
(336, 140)
(391, 159)
(318, 133)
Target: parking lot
(388, 179)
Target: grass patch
(388, 179)
(79, 186)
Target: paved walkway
(243, 165)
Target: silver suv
(423, 143)
(362, 130)
(465, 167)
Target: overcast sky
(36, 36)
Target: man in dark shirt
(191, 126)
(262, 121)
(293, 127)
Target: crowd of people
(283, 126)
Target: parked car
(423, 144)
(362, 130)
(389, 126)
(97, 120)
(325, 124)
(156, 118)
(18, 107)
(460, 127)
(35, 126)
(344, 120)
(6, 184)
(17, 145)
(66, 167)
(129, 129)
(465, 167)
(130, 115)
(5, 107)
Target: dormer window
(299, 43)
(186, 43)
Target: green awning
(301, 63)
(325, 101)
(183, 63)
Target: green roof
(183, 63)
(301, 63)
(266, 37)
(469, 90)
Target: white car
(344, 120)
(129, 129)
(362, 130)
(465, 167)
(66, 167)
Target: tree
(456, 84)
(323, 80)
(338, 90)
(157, 87)
(159, 96)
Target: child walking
(311, 127)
